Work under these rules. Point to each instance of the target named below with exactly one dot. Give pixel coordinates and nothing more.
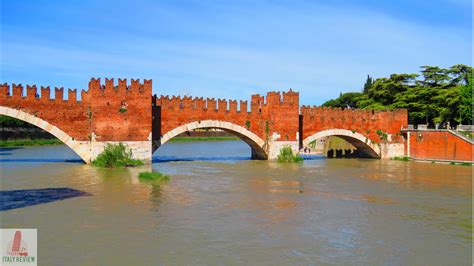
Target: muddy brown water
(219, 208)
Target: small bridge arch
(363, 144)
(256, 143)
(79, 148)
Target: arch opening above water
(79, 148)
(256, 143)
(365, 147)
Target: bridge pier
(274, 148)
(140, 149)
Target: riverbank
(29, 142)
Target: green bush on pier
(287, 156)
(116, 155)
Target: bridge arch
(257, 144)
(361, 142)
(80, 148)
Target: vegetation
(6, 121)
(153, 176)
(29, 142)
(401, 158)
(467, 134)
(436, 96)
(461, 163)
(286, 156)
(116, 155)
(186, 139)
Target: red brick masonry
(439, 145)
(98, 111)
(371, 124)
(276, 114)
(129, 112)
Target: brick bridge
(128, 113)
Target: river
(220, 208)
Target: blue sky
(231, 49)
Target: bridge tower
(104, 114)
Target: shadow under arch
(79, 148)
(256, 143)
(364, 145)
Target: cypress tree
(368, 84)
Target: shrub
(153, 176)
(403, 158)
(286, 156)
(116, 155)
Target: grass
(116, 155)
(29, 142)
(188, 139)
(401, 158)
(463, 163)
(153, 176)
(467, 134)
(286, 156)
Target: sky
(231, 49)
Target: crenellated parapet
(95, 89)
(257, 102)
(348, 112)
(121, 88)
(199, 103)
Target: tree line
(435, 96)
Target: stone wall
(438, 145)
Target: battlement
(257, 102)
(199, 103)
(109, 88)
(348, 112)
(276, 98)
(95, 89)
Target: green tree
(466, 93)
(345, 100)
(368, 84)
(437, 96)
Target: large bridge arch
(257, 144)
(79, 148)
(361, 142)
